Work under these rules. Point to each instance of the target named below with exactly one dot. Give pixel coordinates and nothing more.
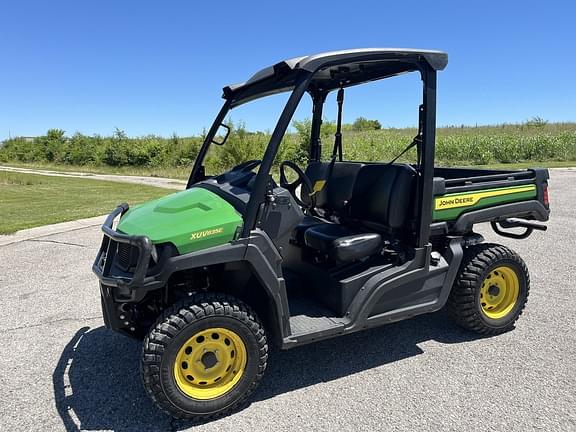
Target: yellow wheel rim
(210, 363)
(499, 292)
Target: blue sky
(158, 67)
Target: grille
(127, 256)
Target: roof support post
(428, 151)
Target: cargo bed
(465, 196)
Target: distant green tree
(241, 146)
(363, 124)
(303, 131)
(116, 150)
(53, 144)
(81, 150)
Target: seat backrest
(339, 186)
(383, 195)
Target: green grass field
(28, 200)
(533, 143)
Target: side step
(303, 325)
(311, 321)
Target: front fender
(263, 258)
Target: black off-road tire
(464, 304)
(175, 326)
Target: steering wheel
(302, 179)
(247, 166)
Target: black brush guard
(103, 265)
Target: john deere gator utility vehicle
(210, 276)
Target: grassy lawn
(28, 200)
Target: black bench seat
(380, 205)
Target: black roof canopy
(334, 69)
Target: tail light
(546, 198)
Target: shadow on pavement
(97, 384)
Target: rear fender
(533, 209)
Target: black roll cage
(300, 80)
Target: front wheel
(204, 357)
(490, 291)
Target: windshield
(250, 127)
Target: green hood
(193, 219)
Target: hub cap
(210, 363)
(499, 292)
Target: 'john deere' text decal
(470, 199)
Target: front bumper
(123, 286)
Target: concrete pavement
(144, 180)
(60, 369)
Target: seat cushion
(355, 247)
(341, 244)
(306, 223)
(322, 236)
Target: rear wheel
(491, 289)
(204, 357)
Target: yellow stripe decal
(470, 199)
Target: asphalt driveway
(60, 369)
